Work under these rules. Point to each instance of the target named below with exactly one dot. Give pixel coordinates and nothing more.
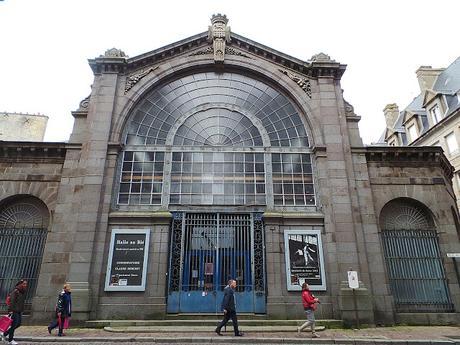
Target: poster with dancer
(304, 259)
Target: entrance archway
(413, 258)
(24, 223)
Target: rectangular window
(452, 144)
(412, 133)
(218, 178)
(435, 114)
(141, 178)
(292, 179)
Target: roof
(446, 84)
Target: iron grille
(21, 251)
(415, 269)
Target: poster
(304, 259)
(127, 263)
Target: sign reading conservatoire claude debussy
(127, 264)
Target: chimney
(391, 112)
(426, 76)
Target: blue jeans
(17, 319)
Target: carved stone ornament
(321, 57)
(349, 108)
(304, 83)
(210, 50)
(114, 53)
(84, 104)
(134, 79)
(219, 35)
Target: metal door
(208, 249)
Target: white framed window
(412, 132)
(452, 145)
(435, 114)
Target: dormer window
(435, 114)
(412, 132)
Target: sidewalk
(407, 335)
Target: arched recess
(260, 70)
(245, 140)
(24, 222)
(413, 257)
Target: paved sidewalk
(407, 335)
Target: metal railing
(416, 273)
(21, 251)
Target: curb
(242, 340)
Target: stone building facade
(217, 157)
(432, 118)
(22, 127)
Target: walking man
(15, 308)
(229, 308)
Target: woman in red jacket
(309, 305)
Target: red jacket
(308, 300)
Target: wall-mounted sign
(353, 282)
(304, 259)
(127, 264)
(453, 255)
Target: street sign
(453, 255)
(353, 282)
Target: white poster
(304, 259)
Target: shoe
(218, 332)
(49, 330)
(12, 342)
(239, 334)
(61, 334)
(315, 335)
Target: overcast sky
(45, 45)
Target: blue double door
(214, 249)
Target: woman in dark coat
(15, 308)
(63, 310)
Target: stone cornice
(314, 69)
(410, 156)
(42, 152)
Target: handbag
(66, 322)
(5, 322)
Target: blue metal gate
(208, 249)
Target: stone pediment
(429, 96)
(217, 43)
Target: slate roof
(447, 84)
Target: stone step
(207, 323)
(206, 329)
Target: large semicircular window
(218, 127)
(216, 139)
(161, 108)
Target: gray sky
(45, 45)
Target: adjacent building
(217, 157)
(432, 118)
(22, 127)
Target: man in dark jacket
(63, 310)
(229, 308)
(15, 309)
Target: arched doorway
(413, 258)
(24, 222)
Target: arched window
(216, 139)
(24, 222)
(413, 257)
